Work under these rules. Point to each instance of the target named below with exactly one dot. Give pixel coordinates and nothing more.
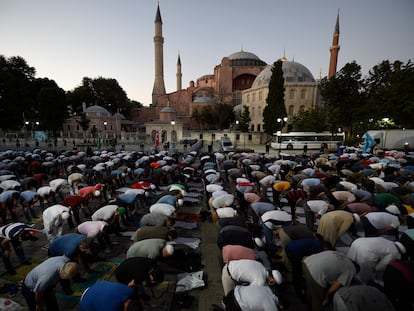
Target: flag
(369, 142)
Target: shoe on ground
(27, 263)
(107, 251)
(115, 243)
(12, 272)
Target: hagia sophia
(241, 79)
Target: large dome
(292, 72)
(243, 58)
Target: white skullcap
(259, 242)
(170, 249)
(97, 193)
(393, 209)
(356, 217)
(153, 187)
(180, 202)
(400, 247)
(65, 215)
(277, 276)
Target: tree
(84, 122)
(15, 91)
(388, 95)
(245, 120)
(52, 108)
(100, 91)
(344, 98)
(312, 120)
(275, 100)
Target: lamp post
(173, 135)
(105, 124)
(237, 131)
(282, 122)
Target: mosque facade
(241, 79)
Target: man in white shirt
(53, 220)
(373, 254)
(245, 271)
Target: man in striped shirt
(14, 234)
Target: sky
(68, 40)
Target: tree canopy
(275, 100)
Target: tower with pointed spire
(159, 86)
(179, 74)
(333, 61)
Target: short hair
(172, 234)
(69, 270)
(86, 242)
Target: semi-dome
(119, 116)
(203, 99)
(97, 109)
(293, 72)
(237, 110)
(168, 109)
(243, 58)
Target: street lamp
(105, 124)
(173, 135)
(237, 131)
(282, 122)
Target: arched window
(291, 110)
(301, 108)
(292, 94)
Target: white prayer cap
(400, 247)
(277, 276)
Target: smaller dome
(237, 110)
(168, 110)
(119, 116)
(97, 109)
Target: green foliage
(344, 97)
(16, 96)
(313, 120)
(214, 117)
(84, 122)
(52, 107)
(245, 119)
(390, 95)
(275, 100)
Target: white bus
(314, 140)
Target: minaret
(159, 86)
(333, 62)
(179, 74)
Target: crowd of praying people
(338, 227)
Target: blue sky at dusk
(68, 40)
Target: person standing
(38, 288)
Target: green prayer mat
(102, 271)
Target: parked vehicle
(313, 140)
(226, 145)
(393, 139)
